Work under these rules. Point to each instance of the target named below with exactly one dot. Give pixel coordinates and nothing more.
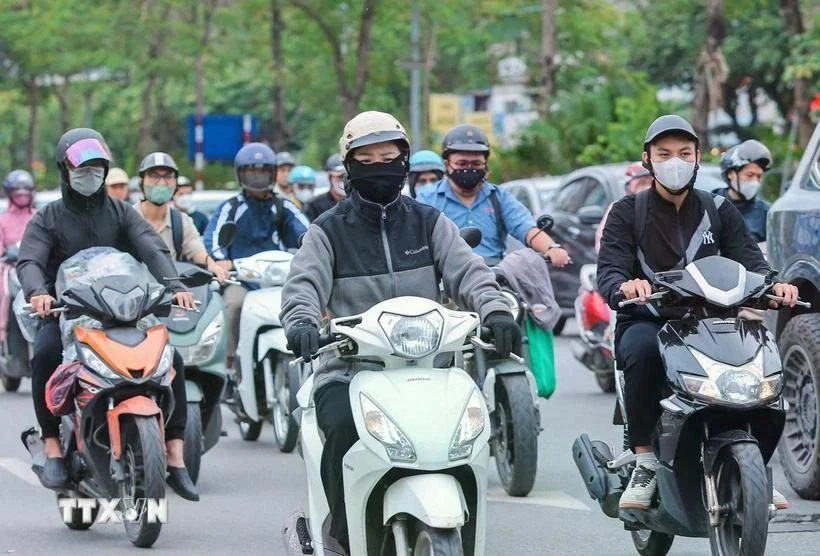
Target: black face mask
(380, 182)
(469, 178)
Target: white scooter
(416, 481)
(262, 357)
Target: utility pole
(415, 79)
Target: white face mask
(303, 195)
(339, 188)
(748, 189)
(184, 202)
(87, 180)
(674, 174)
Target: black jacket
(672, 239)
(754, 212)
(73, 223)
(318, 205)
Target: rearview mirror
(194, 277)
(227, 233)
(471, 235)
(590, 215)
(545, 223)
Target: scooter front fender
(716, 443)
(436, 499)
(506, 368)
(273, 339)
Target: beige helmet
(116, 176)
(368, 128)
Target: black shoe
(179, 480)
(54, 474)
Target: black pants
(48, 354)
(636, 348)
(335, 419)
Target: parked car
(208, 201)
(534, 193)
(577, 209)
(793, 230)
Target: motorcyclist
(468, 199)
(184, 201)
(678, 230)
(86, 217)
(158, 176)
(264, 222)
(426, 168)
(742, 168)
(637, 179)
(326, 201)
(284, 164)
(376, 245)
(302, 180)
(116, 184)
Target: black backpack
(176, 231)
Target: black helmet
(81, 145)
(334, 164)
(740, 155)
(666, 125)
(157, 160)
(466, 138)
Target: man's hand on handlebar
(186, 300)
(788, 292)
(219, 271)
(558, 257)
(637, 288)
(41, 304)
(303, 339)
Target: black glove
(303, 339)
(506, 334)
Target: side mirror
(194, 277)
(227, 233)
(471, 235)
(590, 215)
(545, 223)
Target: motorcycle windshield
(721, 281)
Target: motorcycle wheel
(430, 541)
(559, 326)
(799, 446)
(652, 543)
(192, 451)
(742, 487)
(285, 428)
(145, 467)
(250, 430)
(515, 438)
(605, 380)
(11, 383)
(76, 522)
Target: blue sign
(222, 136)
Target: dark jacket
(672, 239)
(754, 213)
(319, 205)
(200, 221)
(73, 223)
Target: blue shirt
(480, 214)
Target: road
(249, 489)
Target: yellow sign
(483, 120)
(445, 112)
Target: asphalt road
(249, 489)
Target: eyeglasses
(167, 177)
(464, 164)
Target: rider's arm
(309, 283)
(32, 260)
(296, 224)
(150, 248)
(466, 278)
(616, 259)
(518, 219)
(737, 243)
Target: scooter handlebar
(779, 299)
(481, 343)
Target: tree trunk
(710, 74)
(146, 118)
(281, 131)
(33, 105)
(429, 57)
(790, 9)
(64, 101)
(549, 47)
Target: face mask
(339, 188)
(184, 202)
(423, 188)
(674, 174)
(468, 178)
(159, 194)
(21, 199)
(380, 182)
(303, 195)
(748, 189)
(86, 181)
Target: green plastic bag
(542, 357)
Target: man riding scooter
(663, 228)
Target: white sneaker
(779, 500)
(638, 494)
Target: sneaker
(779, 500)
(638, 494)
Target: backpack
(499, 217)
(176, 231)
(642, 211)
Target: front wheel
(76, 521)
(559, 326)
(515, 438)
(605, 380)
(192, 451)
(742, 494)
(250, 430)
(11, 383)
(144, 460)
(652, 543)
(285, 428)
(430, 541)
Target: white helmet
(368, 128)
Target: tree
(549, 40)
(794, 22)
(711, 73)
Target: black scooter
(719, 426)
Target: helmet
(426, 161)
(302, 174)
(255, 155)
(79, 146)
(182, 181)
(285, 159)
(468, 138)
(116, 176)
(18, 179)
(157, 160)
(740, 155)
(666, 125)
(334, 164)
(368, 128)
(634, 171)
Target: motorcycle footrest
(303, 532)
(603, 485)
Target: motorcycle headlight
(413, 337)
(125, 307)
(96, 364)
(274, 275)
(166, 361)
(383, 429)
(469, 427)
(730, 384)
(512, 301)
(205, 350)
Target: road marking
(20, 469)
(553, 498)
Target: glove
(303, 339)
(505, 331)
